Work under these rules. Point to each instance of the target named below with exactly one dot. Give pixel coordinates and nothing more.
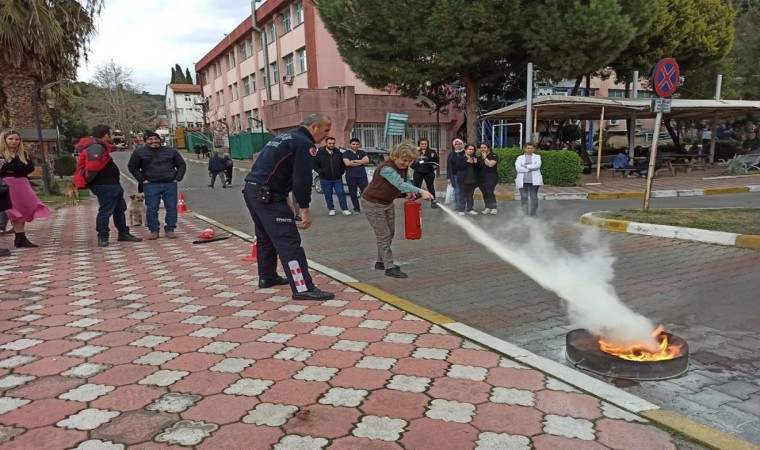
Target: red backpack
(93, 155)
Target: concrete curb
(750, 241)
(670, 420)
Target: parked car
(376, 155)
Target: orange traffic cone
(181, 207)
(254, 254)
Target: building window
(234, 91)
(217, 70)
(616, 93)
(263, 77)
(188, 99)
(299, 13)
(261, 40)
(289, 69)
(302, 60)
(249, 120)
(275, 71)
(220, 98)
(271, 32)
(231, 59)
(286, 21)
(253, 82)
(243, 52)
(246, 87)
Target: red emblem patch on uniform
(313, 151)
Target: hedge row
(558, 167)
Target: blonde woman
(389, 181)
(15, 167)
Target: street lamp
(37, 91)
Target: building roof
(551, 107)
(185, 88)
(240, 32)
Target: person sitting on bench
(622, 161)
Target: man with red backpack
(97, 171)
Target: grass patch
(732, 220)
(53, 201)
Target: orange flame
(638, 352)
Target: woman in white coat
(528, 166)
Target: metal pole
(529, 106)
(599, 152)
(45, 169)
(632, 135)
(718, 86)
(652, 159)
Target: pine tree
(188, 77)
(174, 76)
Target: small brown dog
(137, 210)
(72, 194)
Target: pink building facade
(306, 75)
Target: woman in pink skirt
(15, 166)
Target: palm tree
(41, 41)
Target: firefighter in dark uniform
(284, 164)
(425, 168)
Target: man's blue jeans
(111, 203)
(154, 193)
(327, 188)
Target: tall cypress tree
(188, 77)
(174, 76)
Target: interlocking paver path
(165, 344)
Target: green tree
(745, 55)
(40, 41)
(188, 77)
(174, 76)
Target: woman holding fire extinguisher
(378, 197)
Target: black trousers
(355, 188)
(228, 173)
(429, 179)
(488, 188)
(276, 234)
(466, 192)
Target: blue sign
(395, 124)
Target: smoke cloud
(582, 278)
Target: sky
(150, 36)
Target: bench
(613, 171)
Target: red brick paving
(421, 406)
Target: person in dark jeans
(159, 169)
(528, 167)
(228, 166)
(488, 177)
(106, 186)
(467, 175)
(356, 174)
(425, 168)
(329, 165)
(216, 168)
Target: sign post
(665, 78)
(395, 125)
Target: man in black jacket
(329, 165)
(106, 186)
(217, 168)
(158, 168)
(284, 164)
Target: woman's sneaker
(487, 211)
(494, 211)
(472, 213)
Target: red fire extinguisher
(413, 219)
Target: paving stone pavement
(165, 344)
(704, 293)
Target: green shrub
(64, 165)
(558, 167)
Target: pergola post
(599, 152)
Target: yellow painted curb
(748, 241)
(603, 195)
(398, 302)
(727, 190)
(631, 195)
(698, 432)
(614, 225)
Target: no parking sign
(665, 77)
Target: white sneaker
(473, 213)
(461, 213)
(494, 211)
(331, 213)
(486, 211)
(346, 212)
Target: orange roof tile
(185, 88)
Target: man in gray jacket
(158, 169)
